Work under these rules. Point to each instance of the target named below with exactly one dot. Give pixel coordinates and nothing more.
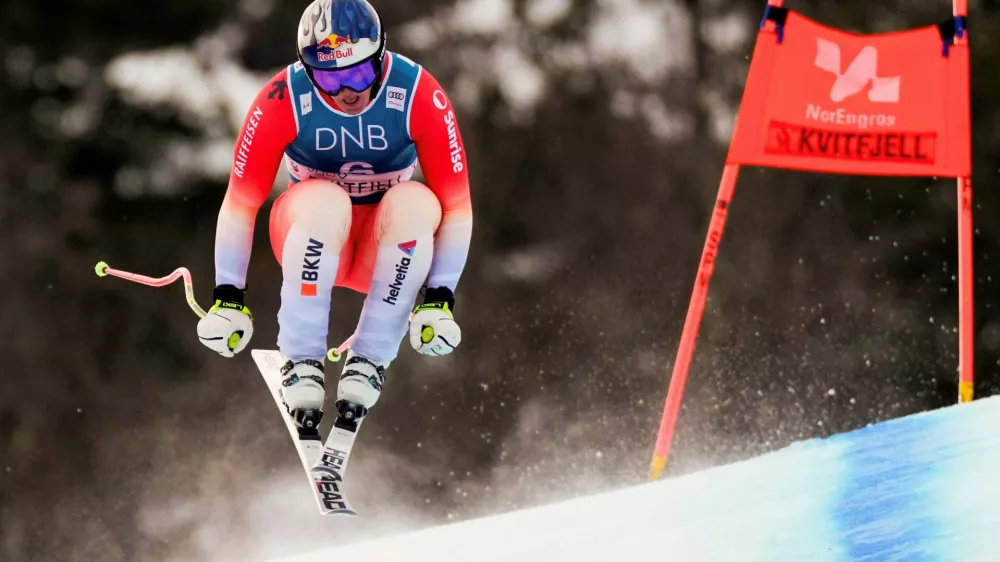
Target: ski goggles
(359, 78)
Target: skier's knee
(319, 206)
(322, 204)
(408, 211)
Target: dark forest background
(596, 133)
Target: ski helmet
(341, 44)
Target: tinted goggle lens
(358, 78)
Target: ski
(324, 464)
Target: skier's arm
(445, 167)
(269, 126)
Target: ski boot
(303, 392)
(359, 389)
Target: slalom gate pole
(692, 323)
(103, 270)
(696, 310)
(966, 282)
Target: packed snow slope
(920, 488)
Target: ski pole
(103, 270)
(336, 353)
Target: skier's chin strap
(379, 79)
(381, 70)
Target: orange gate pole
(966, 282)
(696, 309)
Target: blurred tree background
(596, 132)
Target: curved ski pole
(103, 270)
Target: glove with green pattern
(433, 330)
(228, 326)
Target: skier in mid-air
(350, 120)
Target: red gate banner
(824, 100)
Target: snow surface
(920, 488)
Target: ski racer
(350, 120)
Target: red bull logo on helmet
(329, 48)
(332, 41)
(335, 55)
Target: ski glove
(433, 330)
(228, 326)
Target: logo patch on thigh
(310, 268)
(408, 247)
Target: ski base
(324, 464)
